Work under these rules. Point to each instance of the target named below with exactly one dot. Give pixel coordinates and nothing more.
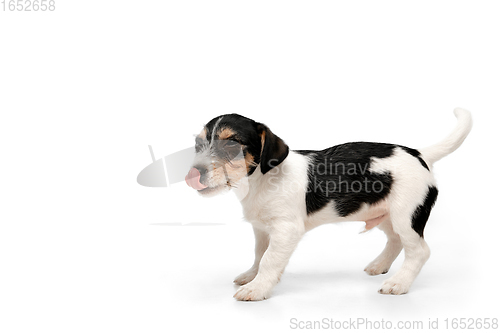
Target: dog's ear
(274, 150)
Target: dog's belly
(372, 215)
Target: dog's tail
(447, 146)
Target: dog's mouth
(211, 190)
(193, 181)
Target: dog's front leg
(283, 239)
(261, 244)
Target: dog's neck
(258, 184)
(242, 187)
(246, 186)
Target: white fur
(447, 146)
(277, 212)
(275, 205)
(276, 208)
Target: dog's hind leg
(261, 245)
(409, 224)
(383, 262)
(416, 254)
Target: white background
(85, 89)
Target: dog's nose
(193, 178)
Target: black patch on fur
(274, 151)
(415, 153)
(341, 174)
(422, 212)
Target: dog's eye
(232, 144)
(227, 149)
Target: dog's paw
(246, 277)
(394, 287)
(252, 292)
(377, 267)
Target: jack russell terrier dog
(285, 193)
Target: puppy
(285, 193)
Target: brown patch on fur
(250, 161)
(236, 170)
(226, 133)
(262, 141)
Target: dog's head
(229, 148)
